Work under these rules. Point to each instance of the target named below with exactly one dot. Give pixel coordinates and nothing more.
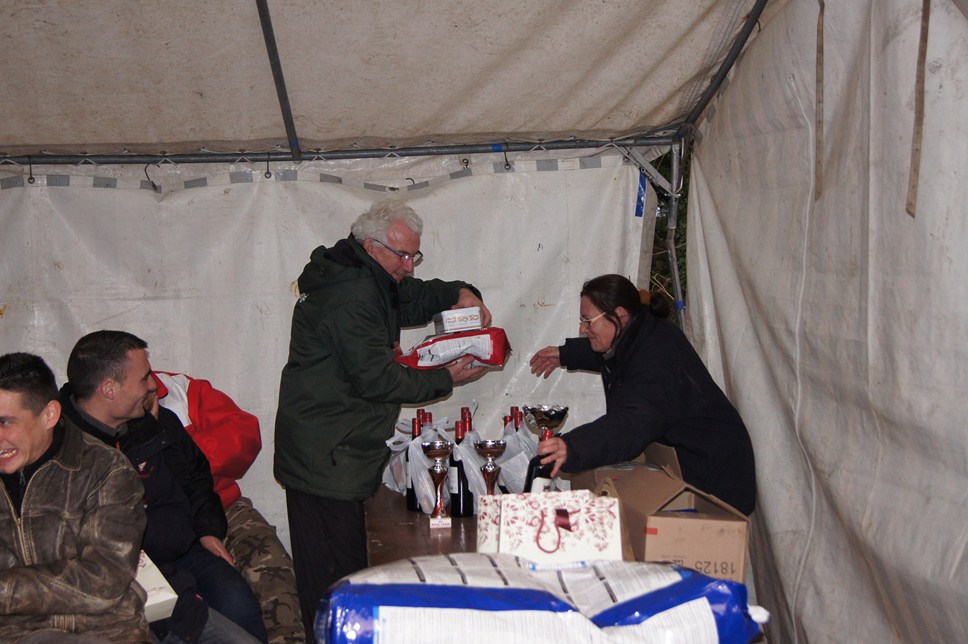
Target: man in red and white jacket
(230, 439)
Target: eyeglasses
(416, 258)
(586, 324)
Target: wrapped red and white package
(490, 347)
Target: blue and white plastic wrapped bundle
(490, 599)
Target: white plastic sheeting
(203, 271)
(839, 325)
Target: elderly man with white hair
(341, 391)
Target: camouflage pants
(265, 564)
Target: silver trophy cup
(440, 452)
(540, 417)
(490, 450)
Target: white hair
(375, 222)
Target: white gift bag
(551, 527)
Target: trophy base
(439, 522)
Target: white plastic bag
(521, 448)
(395, 473)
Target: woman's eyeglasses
(586, 324)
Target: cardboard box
(669, 520)
(655, 456)
(467, 319)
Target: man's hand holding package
(467, 299)
(461, 371)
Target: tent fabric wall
(181, 76)
(838, 324)
(203, 270)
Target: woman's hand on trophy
(545, 361)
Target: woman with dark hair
(656, 390)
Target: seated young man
(68, 550)
(230, 439)
(110, 385)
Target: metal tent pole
(269, 35)
(330, 155)
(671, 233)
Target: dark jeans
(224, 589)
(218, 630)
(328, 542)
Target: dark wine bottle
(508, 431)
(412, 503)
(461, 497)
(539, 475)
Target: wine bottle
(539, 475)
(508, 426)
(465, 415)
(461, 497)
(412, 503)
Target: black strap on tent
(818, 111)
(914, 175)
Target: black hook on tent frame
(30, 171)
(268, 172)
(154, 186)
(507, 164)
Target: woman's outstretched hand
(545, 361)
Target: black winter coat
(657, 389)
(180, 499)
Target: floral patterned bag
(552, 527)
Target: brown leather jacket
(68, 561)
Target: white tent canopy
(826, 278)
(110, 76)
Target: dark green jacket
(341, 391)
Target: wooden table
(394, 533)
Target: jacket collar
(616, 356)
(134, 432)
(350, 253)
(69, 455)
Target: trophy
(541, 417)
(440, 452)
(490, 450)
